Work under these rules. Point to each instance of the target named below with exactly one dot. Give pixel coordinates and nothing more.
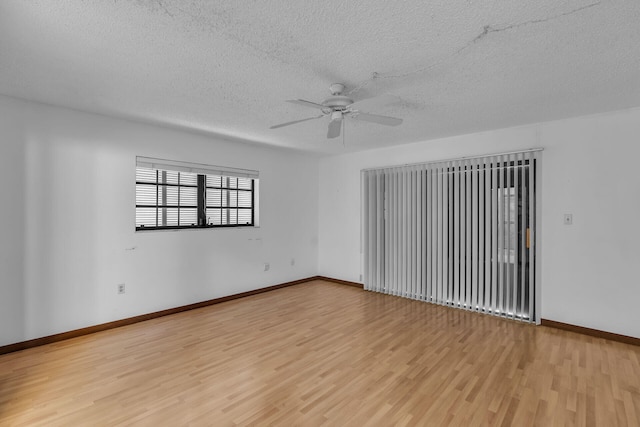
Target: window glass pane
(244, 216)
(171, 195)
(188, 178)
(145, 217)
(233, 182)
(214, 216)
(233, 216)
(233, 198)
(170, 216)
(169, 177)
(145, 175)
(224, 220)
(188, 216)
(188, 196)
(214, 181)
(244, 199)
(213, 197)
(225, 198)
(145, 194)
(244, 183)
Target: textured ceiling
(226, 67)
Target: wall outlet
(121, 288)
(266, 266)
(568, 219)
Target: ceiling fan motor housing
(336, 88)
(337, 102)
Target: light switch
(568, 219)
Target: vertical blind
(459, 233)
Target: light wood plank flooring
(324, 354)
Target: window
(175, 195)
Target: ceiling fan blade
(334, 128)
(294, 122)
(305, 103)
(373, 103)
(375, 118)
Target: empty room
(319, 213)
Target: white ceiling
(226, 67)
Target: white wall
(67, 222)
(67, 218)
(589, 168)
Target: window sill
(206, 227)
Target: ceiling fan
(339, 106)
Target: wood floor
(324, 354)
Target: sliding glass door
(458, 233)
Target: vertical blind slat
(421, 255)
(414, 250)
(395, 199)
(403, 236)
(494, 237)
(439, 245)
(433, 242)
(523, 233)
(481, 231)
(468, 241)
(472, 239)
(511, 266)
(379, 227)
(446, 216)
(501, 233)
(516, 239)
(462, 201)
(427, 236)
(369, 236)
(532, 235)
(365, 226)
(454, 203)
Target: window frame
(202, 172)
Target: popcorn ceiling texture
(226, 67)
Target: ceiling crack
(222, 28)
(488, 29)
(163, 7)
